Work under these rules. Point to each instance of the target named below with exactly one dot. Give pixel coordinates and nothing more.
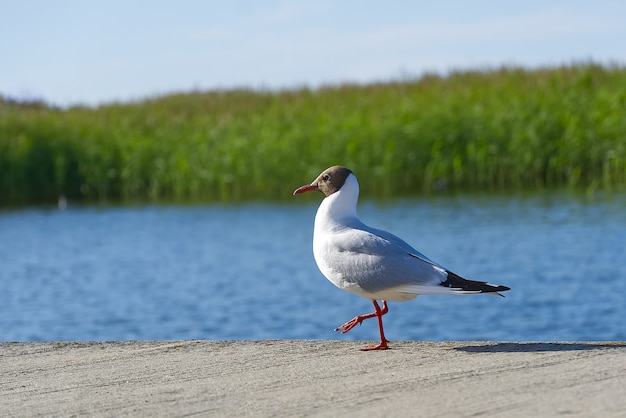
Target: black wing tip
(456, 281)
(496, 288)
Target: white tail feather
(435, 290)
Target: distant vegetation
(475, 130)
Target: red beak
(305, 188)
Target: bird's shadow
(538, 347)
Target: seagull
(373, 263)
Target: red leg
(354, 322)
(383, 341)
(360, 318)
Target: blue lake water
(247, 271)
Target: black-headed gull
(373, 263)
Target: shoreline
(312, 377)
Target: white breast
(334, 219)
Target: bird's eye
(326, 177)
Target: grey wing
(402, 245)
(377, 260)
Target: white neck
(340, 207)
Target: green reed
(473, 130)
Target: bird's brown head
(330, 181)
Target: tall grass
(479, 130)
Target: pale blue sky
(68, 52)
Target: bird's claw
(350, 324)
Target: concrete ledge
(302, 378)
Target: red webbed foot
(381, 346)
(353, 323)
